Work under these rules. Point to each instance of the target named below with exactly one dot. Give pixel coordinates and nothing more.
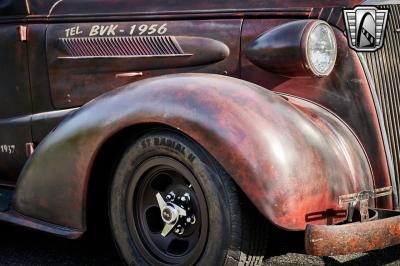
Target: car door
(15, 100)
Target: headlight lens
(321, 49)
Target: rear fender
(291, 157)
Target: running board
(16, 218)
(7, 214)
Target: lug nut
(170, 196)
(185, 197)
(191, 220)
(179, 230)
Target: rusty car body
(79, 77)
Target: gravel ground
(19, 246)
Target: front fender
(291, 157)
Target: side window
(12, 8)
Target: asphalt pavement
(19, 246)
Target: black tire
(228, 230)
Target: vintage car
(192, 126)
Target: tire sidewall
(208, 176)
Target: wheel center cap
(169, 214)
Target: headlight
(321, 49)
(296, 49)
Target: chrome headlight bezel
(310, 64)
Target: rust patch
(330, 240)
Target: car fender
(291, 157)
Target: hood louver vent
(128, 46)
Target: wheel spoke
(167, 228)
(149, 197)
(161, 202)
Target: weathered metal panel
(76, 7)
(292, 158)
(88, 59)
(39, 78)
(14, 86)
(345, 92)
(15, 103)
